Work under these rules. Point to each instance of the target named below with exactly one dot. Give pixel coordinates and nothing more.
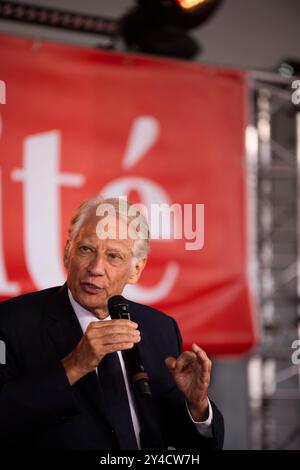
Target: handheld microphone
(118, 308)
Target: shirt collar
(85, 317)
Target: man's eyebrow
(112, 248)
(120, 250)
(86, 240)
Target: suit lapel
(65, 332)
(63, 326)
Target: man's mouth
(91, 288)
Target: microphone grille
(118, 307)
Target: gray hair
(121, 206)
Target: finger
(170, 363)
(106, 323)
(120, 338)
(110, 329)
(116, 347)
(116, 329)
(199, 350)
(201, 356)
(185, 360)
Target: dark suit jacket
(40, 410)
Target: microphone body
(118, 308)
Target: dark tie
(115, 400)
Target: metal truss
(47, 17)
(274, 164)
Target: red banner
(79, 122)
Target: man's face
(99, 268)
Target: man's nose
(96, 266)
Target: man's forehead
(111, 238)
(93, 238)
(94, 221)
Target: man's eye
(85, 249)
(114, 256)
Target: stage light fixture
(160, 26)
(189, 4)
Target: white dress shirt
(85, 317)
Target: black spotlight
(160, 26)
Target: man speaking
(81, 375)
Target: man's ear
(66, 254)
(137, 271)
